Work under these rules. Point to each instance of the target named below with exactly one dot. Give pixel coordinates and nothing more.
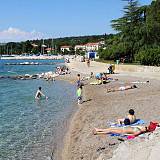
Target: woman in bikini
(132, 130)
(122, 88)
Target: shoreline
(32, 58)
(79, 142)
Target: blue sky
(32, 19)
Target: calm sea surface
(29, 128)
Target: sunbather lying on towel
(140, 82)
(133, 130)
(122, 88)
(131, 117)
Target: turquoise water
(28, 128)
(27, 69)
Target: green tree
(128, 27)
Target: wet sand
(100, 108)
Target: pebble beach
(100, 108)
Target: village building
(80, 47)
(67, 48)
(49, 50)
(92, 46)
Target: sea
(31, 129)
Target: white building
(80, 47)
(67, 48)
(92, 46)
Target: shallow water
(28, 128)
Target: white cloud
(15, 35)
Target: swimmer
(39, 94)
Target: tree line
(138, 35)
(55, 44)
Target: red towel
(152, 126)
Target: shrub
(149, 56)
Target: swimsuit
(122, 88)
(136, 129)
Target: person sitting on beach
(131, 130)
(122, 88)
(39, 94)
(110, 69)
(99, 76)
(91, 75)
(131, 117)
(67, 71)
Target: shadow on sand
(87, 100)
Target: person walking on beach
(40, 94)
(88, 62)
(79, 94)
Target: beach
(101, 108)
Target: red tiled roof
(65, 46)
(49, 49)
(91, 44)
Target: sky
(21, 20)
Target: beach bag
(152, 126)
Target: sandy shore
(100, 108)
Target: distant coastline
(33, 57)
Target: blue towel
(117, 135)
(137, 122)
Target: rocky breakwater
(30, 63)
(47, 76)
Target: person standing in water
(39, 94)
(79, 94)
(78, 80)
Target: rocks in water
(35, 76)
(46, 76)
(30, 63)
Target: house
(67, 48)
(49, 50)
(80, 47)
(92, 46)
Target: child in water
(79, 94)
(39, 94)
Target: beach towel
(96, 82)
(138, 82)
(117, 135)
(137, 122)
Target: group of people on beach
(125, 124)
(127, 127)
